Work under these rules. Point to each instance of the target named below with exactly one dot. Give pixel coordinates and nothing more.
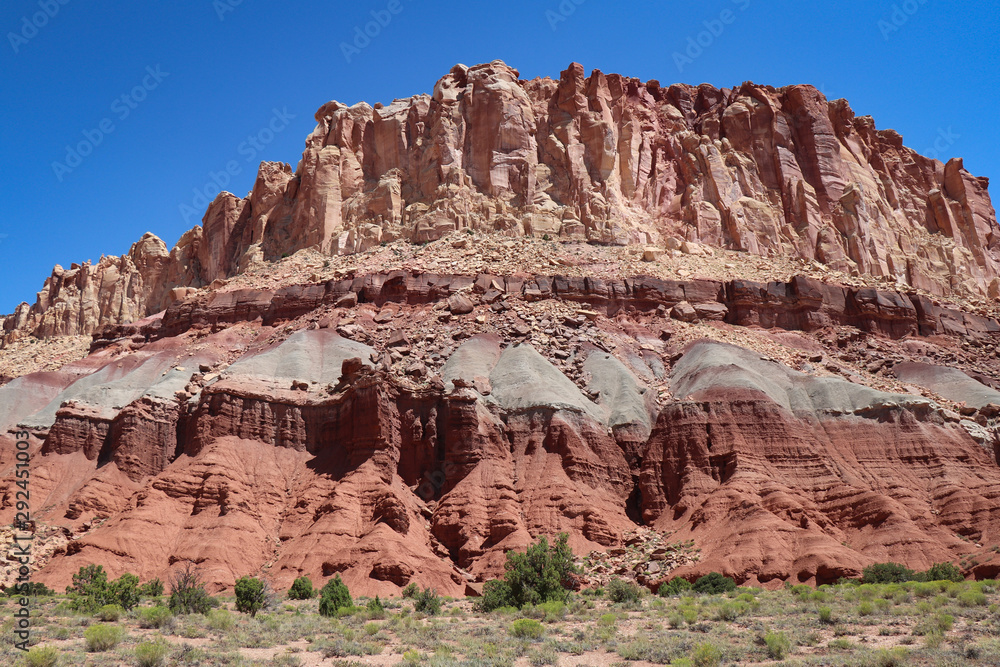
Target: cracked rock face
(296, 449)
(601, 157)
(389, 414)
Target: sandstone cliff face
(393, 441)
(410, 426)
(603, 158)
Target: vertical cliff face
(602, 158)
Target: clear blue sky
(225, 66)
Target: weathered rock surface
(776, 474)
(409, 422)
(602, 158)
(306, 454)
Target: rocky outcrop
(410, 426)
(243, 446)
(603, 158)
(777, 473)
(801, 304)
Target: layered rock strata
(392, 441)
(602, 158)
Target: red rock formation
(604, 158)
(357, 426)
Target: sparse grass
(877, 625)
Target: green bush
(942, 572)
(188, 594)
(151, 653)
(252, 595)
(41, 656)
(527, 628)
(302, 589)
(411, 590)
(706, 655)
(154, 617)
(713, 583)
(375, 608)
(89, 590)
(730, 611)
(886, 573)
(826, 615)
(552, 611)
(151, 589)
(971, 598)
(778, 645)
(110, 612)
(334, 596)
(102, 637)
(124, 591)
(623, 591)
(675, 586)
(540, 574)
(28, 588)
(427, 602)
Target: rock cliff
(738, 319)
(602, 158)
(398, 427)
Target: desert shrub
(427, 602)
(375, 608)
(334, 596)
(623, 590)
(496, 595)
(411, 591)
(675, 586)
(302, 589)
(690, 614)
(151, 653)
(895, 657)
(151, 589)
(544, 655)
(713, 583)
(28, 588)
(220, 620)
(527, 628)
(552, 611)
(188, 594)
(973, 597)
(865, 608)
(706, 655)
(154, 617)
(540, 574)
(818, 596)
(89, 590)
(778, 645)
(886, 573)
(607, 620)
(826, 615)
(252, 595)
(102, 637)
(41, 656)
(730, 611)
(942, 572)
(124, 591)
(109, 613)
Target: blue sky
(169, 94)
